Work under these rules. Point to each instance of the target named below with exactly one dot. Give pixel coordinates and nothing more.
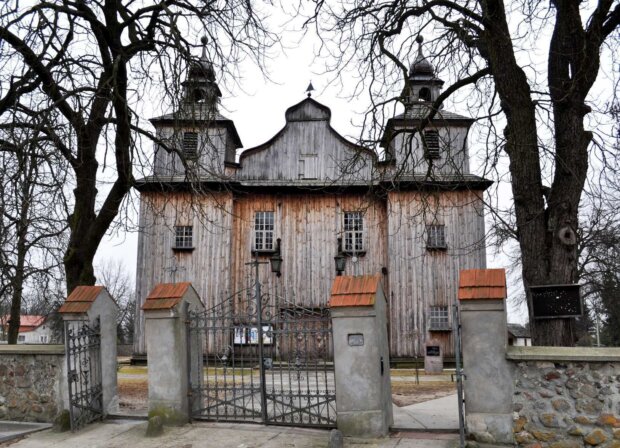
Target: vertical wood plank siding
(408, 150)
(308, 225)
(207, 266)
(420, 278)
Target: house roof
(81, 299)
(165, 296)
(27, 322)
(481, 284)
(518, 331)
(354, 290)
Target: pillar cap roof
(482, 284)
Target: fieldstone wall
(31, 383)
(566, 404)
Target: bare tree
(115, 277)
(32, 214)
(88, 63)
(542, 108)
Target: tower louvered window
(190, 144)
(431, 139)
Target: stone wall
(566, 397)
(31, 382)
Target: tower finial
(420, 39)
(204, 40)
(310, 89)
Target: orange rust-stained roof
(480, 284)
(81, 299)
(354, 291)
(165, 296)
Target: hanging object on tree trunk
(556, 301)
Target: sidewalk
(130, 433)
(440, 414)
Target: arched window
(424, 94)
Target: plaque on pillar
(433, 357)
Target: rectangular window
(439, 320)
(432, 144)
(21, 338)
(353, 232)
(309, 166)
(264, 227)
(43, 339)
(190, 144)
(183, 237)
(436, 237)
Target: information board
(556, 301)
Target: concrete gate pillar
(361, 356)
(87, 304)
(488, 386)
(165, 312)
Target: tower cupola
(422, 86)
(201, 93)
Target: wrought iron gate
(460, 375)
(266, 361)
(83, 353)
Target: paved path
(128, 433)
(435, 415)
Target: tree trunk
(547, 233)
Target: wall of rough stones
(566, 404)
(31, 382)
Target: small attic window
(424, 94)
(431, 138)
(190, 144)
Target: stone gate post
(361, 356)
(165, 311)
(87, 304)
(488, 385)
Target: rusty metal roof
(81, 299)
(354, 290)
(481, 284)
(165, 296)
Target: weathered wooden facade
(415, 214)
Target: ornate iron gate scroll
(267, 361)
(83, 353)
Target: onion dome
(421, 65)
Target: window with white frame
(21, 338)
(439, 319)
(190, 144)
(431, 138)
(43, 339)
(353, 232)
(183, 238)
(264, 228)
(436, 237)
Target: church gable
(307, 150)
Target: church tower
(440, 148)
(196, 140)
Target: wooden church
(319, 204)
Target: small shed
(518, 335)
